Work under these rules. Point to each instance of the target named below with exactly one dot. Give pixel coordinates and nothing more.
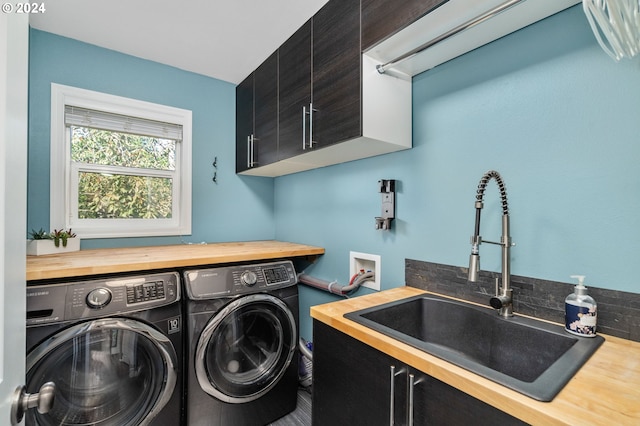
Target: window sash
(85, 117)
(108, 225)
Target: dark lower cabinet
(354, 384)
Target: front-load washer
(113, 348)
(241, 324)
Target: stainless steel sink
(529, 356)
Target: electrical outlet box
(368, 262)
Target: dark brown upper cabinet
(336, 94)
(320, 81)
(244, 123)
(332, 106)
(257, 117)
(294, 81)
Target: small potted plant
(58, 241)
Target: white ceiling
(224, 39)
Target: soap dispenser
(580, 311)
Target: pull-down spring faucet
(503, 299)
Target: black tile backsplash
(618, 311)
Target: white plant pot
(42, 247)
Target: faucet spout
(503, 299)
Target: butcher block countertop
(605, 391)
(115, 260)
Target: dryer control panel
(239, 279)
(101, 297)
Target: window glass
(94, 146)
(121, 196)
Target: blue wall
(236, 209)
(546, 107)
(549, 110)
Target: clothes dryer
(241, 323)
(112, 347)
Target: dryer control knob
(98, 298)
(249, 278)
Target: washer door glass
(107, 372)
(246, 348)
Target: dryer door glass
(246, 348)
(107, 372)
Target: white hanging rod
(462, 27)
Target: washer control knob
(98, 298)
(249, 278)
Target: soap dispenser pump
(580, 311)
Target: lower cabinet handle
(392, 370)
(412, 383)
(392, 392)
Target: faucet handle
(502, 300)
(497, 301)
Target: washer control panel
(239, 279)
(145, 292)
(96, 298)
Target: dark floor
(302, 414)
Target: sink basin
(529, 356)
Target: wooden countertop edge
(584, 400)
(132, 259)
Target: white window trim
(60, 163)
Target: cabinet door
(265, 93)
(436, 403)
(382, 18)
(337, 73)
(294, 80)
(351, 381)
(244, 121)
(352, 386)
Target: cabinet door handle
(412, 383)
(304, 127)
(253, 162)
(249, 152)
(250, 148)
(392, 392)
(311, 125)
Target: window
(119, 167)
